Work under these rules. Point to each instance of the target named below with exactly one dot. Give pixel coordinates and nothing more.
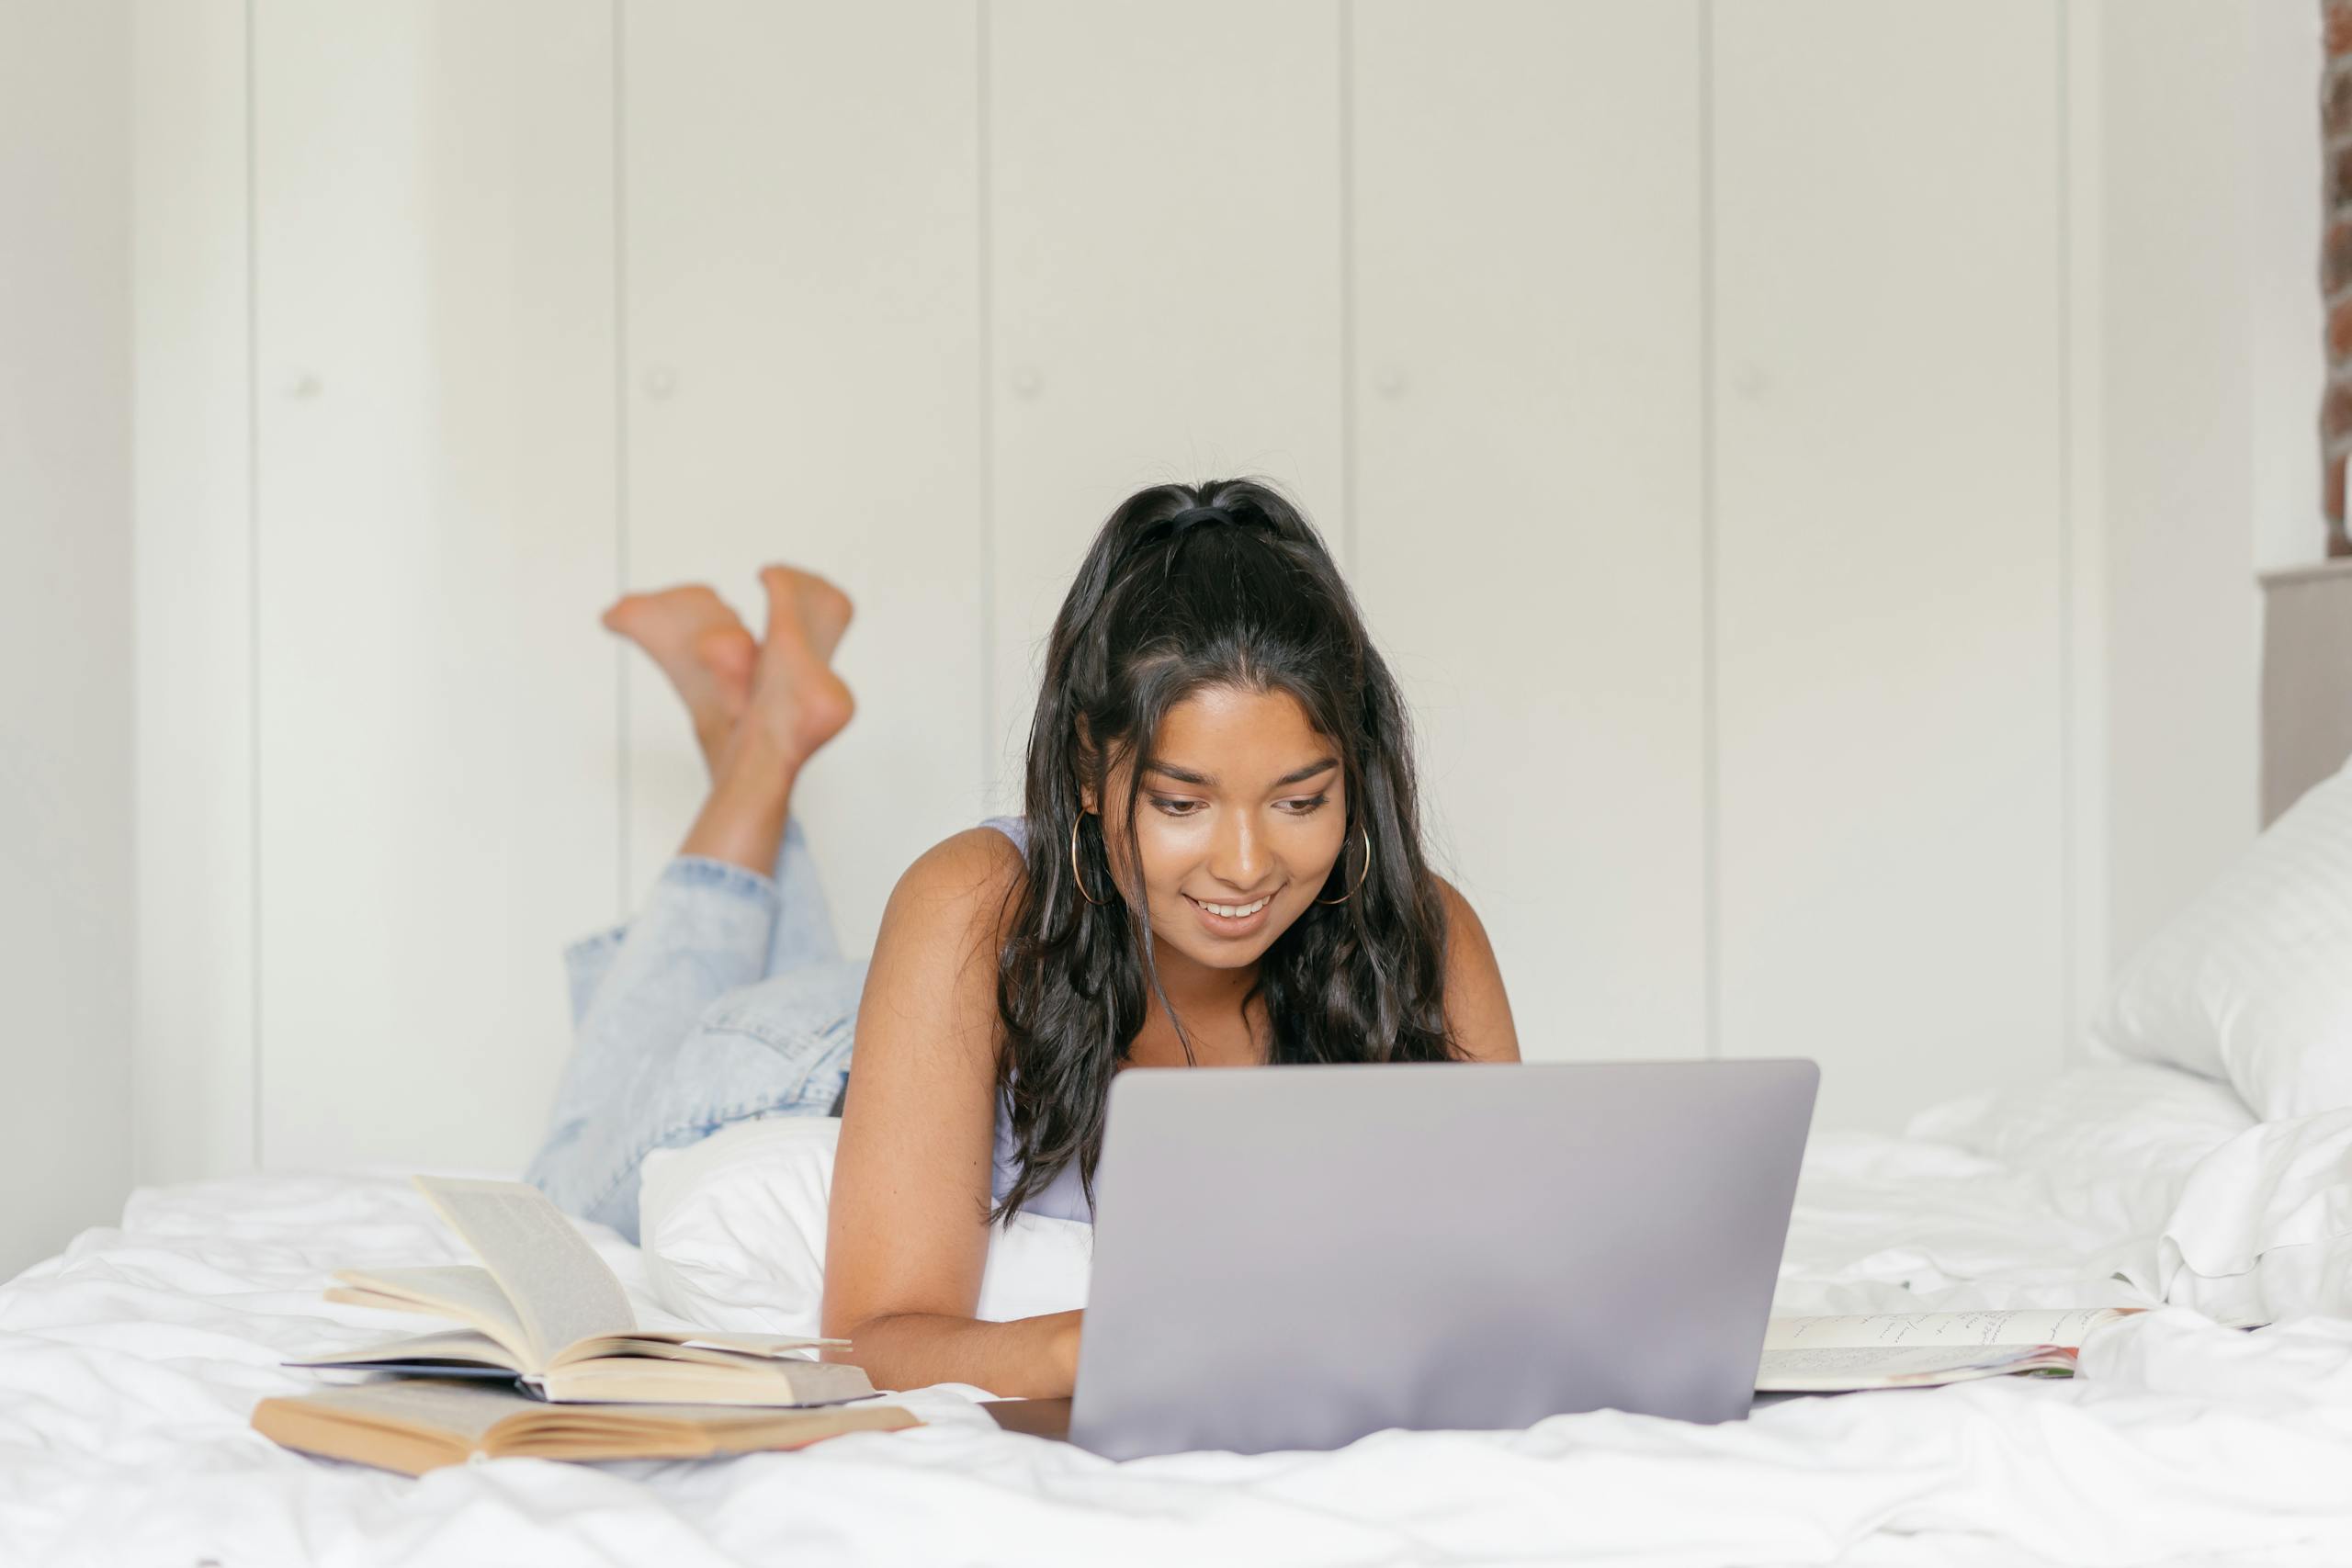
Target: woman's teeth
(1233, 911)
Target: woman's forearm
(1028, 1357)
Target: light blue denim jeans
(727, 998)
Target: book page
(460, 1290)
(647, 1380)
(2027, 1326)
(749, 1343)
(637, 1347)
(673, 1342)
(457, 1345)
(1836, 1367)
(465, 1410)
(560, 1289)
(684, 1430)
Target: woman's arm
(1475, 1007)
(908, 1233)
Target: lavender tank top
(1065, 1198)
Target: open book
(544, 1310)
(413, 1425)
(1920, 1349)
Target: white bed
(129, 1364)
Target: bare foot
(825, 610)
(795, 697)
(705, 649)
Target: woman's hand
(1026, 1357)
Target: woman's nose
(1237, 858)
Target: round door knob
(1750, 382)
(660, 382)
(1390, 381)
(305, 386)
(1028, 382)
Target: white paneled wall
(2184, 627)
(801, 305)
(195, 1088)
(1530, 540)
(1890, 542)
(433, 350)
(1164, 262)
(1683, 384)
(66, 673)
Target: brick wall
(2335, 266)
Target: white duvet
(129, 1364)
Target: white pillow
(2111, 1144)
(733, 1232)
(2253, 981)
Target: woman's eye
(1194, 807)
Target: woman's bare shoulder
(975, 860)
(1475, 1006)
(931, 988)
(965, 882)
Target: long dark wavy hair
(1169, 602)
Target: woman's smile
(1230, 920)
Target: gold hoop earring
(1360, 875)
(1074, 876)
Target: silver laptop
(1291, 1258)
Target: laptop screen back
(1293, 1258)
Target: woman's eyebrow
(1296, 775)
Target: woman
(1220, 865)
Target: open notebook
(544, 1311)
(1921, 1350)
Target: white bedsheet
(129, 1366)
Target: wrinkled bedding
(130, 1365)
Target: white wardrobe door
(1528, 542)
(1891, 534)
(438, 810)
(1164, 282)
(192, 565)
(802, 287)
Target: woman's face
(1246, 809)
